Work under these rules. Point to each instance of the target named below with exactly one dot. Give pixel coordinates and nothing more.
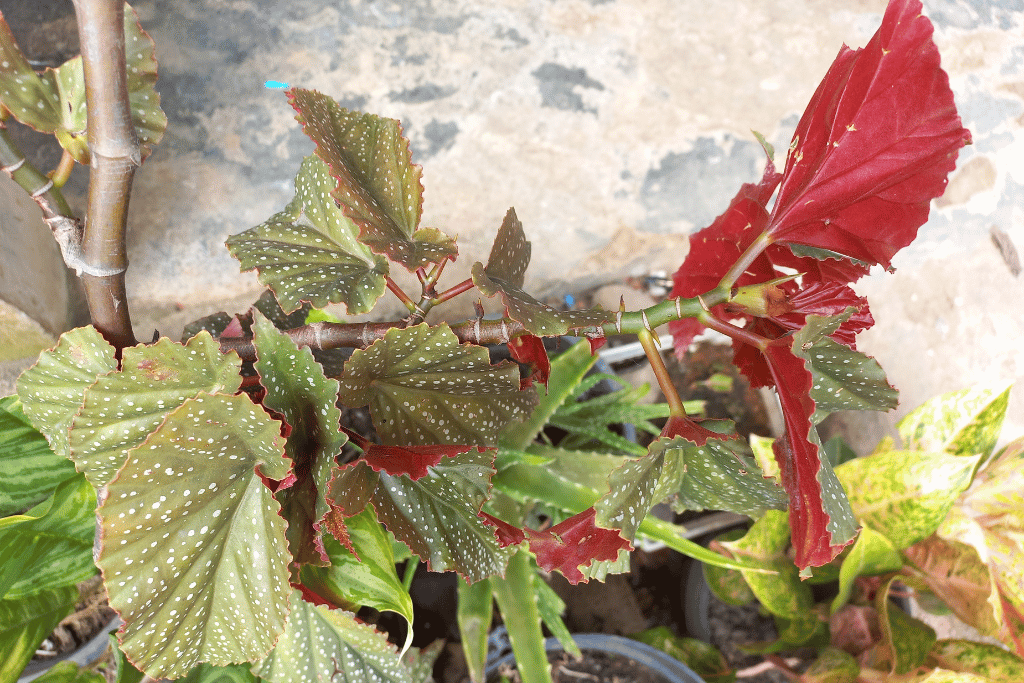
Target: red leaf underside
(574, 543)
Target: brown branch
(114, 154)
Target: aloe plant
(234, 510)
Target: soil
(593, 667)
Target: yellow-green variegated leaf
(910, 493)
(964, 422)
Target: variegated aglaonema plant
(239, 523)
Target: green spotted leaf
(122, 408)
(378, 186)
(911, 492)
(964, 422)
(299, 391)
(505, 274)
(311, 250)
(54, 101)
(193, 551)
(871, 553)
(436, 514)
(53, 389)
(843, 378)
(424, 387)
(29, 469)
(25, 622)
(321, 644)
(708, 477)
(50, 545)
(983, 659)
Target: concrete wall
(613, 127)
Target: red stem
(403, 297)
(446, 295)
(745, 336)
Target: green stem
(668, 387)
(659, 314)
(753, 251)
(63, 171)
(410, 572)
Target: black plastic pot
(87, 654)
(659, 663)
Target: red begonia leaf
(574, 543)
(820, 516)
(874, 146)
(828, 299)
(506, 533)
(529, 350)
(412, 461)
(688, 429)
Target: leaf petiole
(675, 403)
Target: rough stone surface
(614, 127)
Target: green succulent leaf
(69, 672)
(29, 468)
(983, 659)
(321, 643)
(589, 423)
(567, 371)
(54, 101)
(843, 379)
(25, 622)
(517, 600)
(311, 250)
(552, 607)
(378, 186)
(505, 274)
(420, 661)
(871, 553)
(475, 612)
(53, 389)
(964, 422)
(436, 515)
(368, 579)
(193, 548)
(299, 391)
(911, 492)
(424, 387)
(122, 408)
(50, 545)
